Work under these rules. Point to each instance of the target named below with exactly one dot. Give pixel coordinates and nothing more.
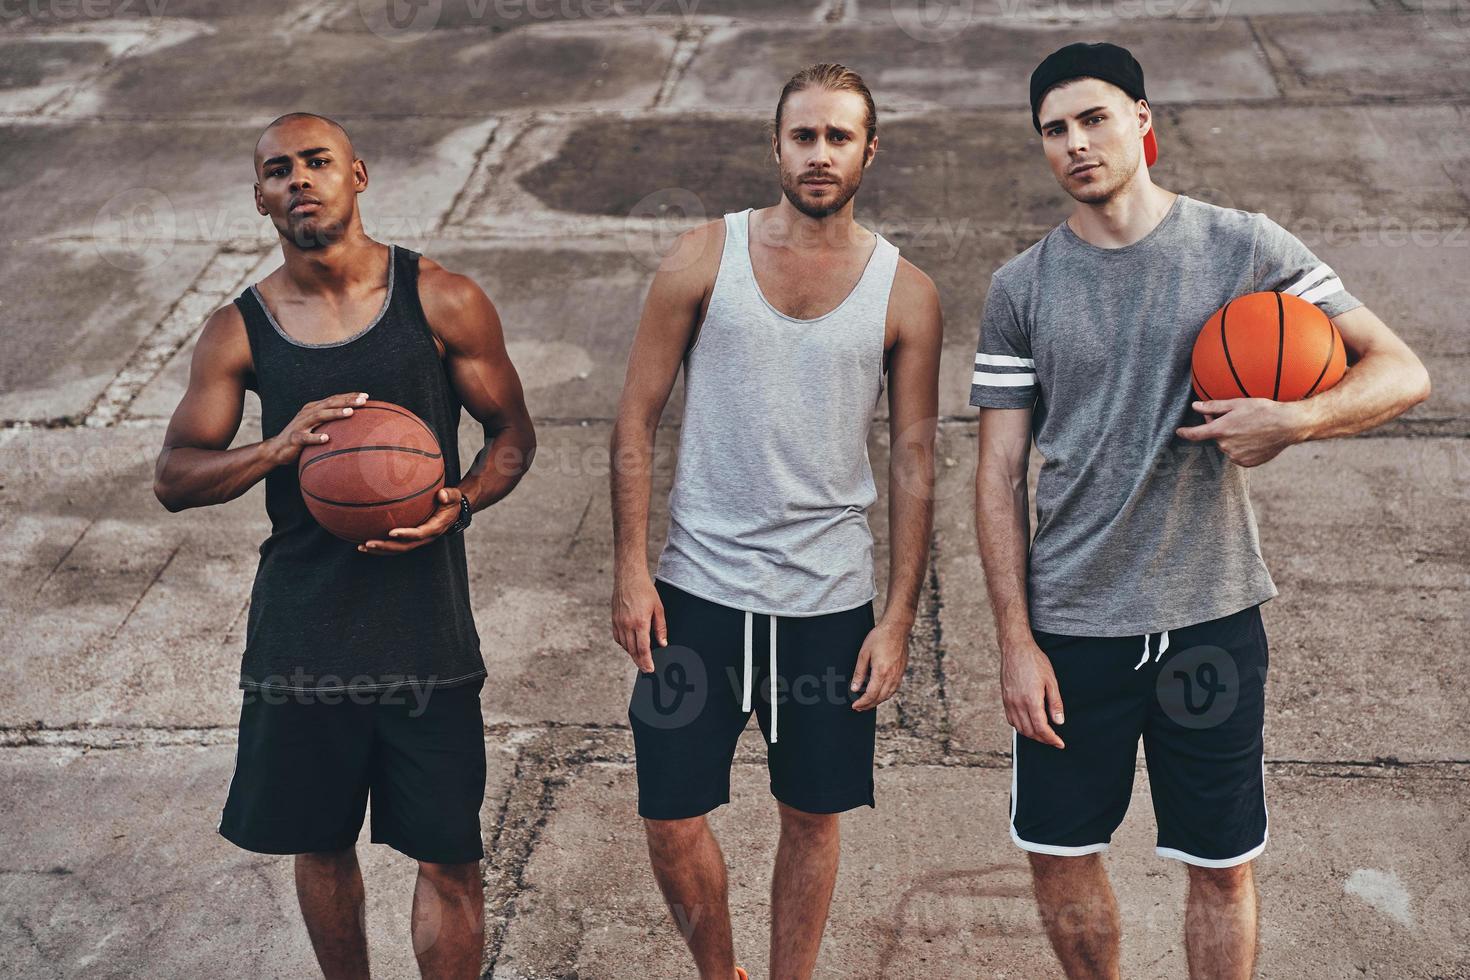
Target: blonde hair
(834, 78)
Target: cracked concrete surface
(549, 150)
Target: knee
(450, 879)
(1052, 867)
(1228, 883)
(342, 860)
(799, 822)
(670, 837)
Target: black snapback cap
(1106, 61)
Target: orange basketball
(1267, 345)
(380, 469)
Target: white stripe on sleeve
(1004, 380)
(1322, 271)
(1004, 360)
(1323, 290)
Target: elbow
(1421, 387)
(165, 496)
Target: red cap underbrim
(1150, 147)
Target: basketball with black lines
(1267, 345)
(381, 468)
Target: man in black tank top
(362, 668)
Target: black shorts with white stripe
(1196, 696)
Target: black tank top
(323, 615)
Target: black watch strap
(466, 514)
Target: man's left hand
(1248, 430)
(402, 539)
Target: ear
(360, 175)
(1145, 118)
(870, 152)
(776, 146)
(259, 204)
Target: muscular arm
(1383, 381)
(671, 316)
(466, 324)
(196, 466)
(1386, 380)
(913, 409)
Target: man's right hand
(1028, 687)
(638, 612)
(287, 444)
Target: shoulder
(913, 290)
(450, 299)
(447, 290)
(223, 345)
(1220, 222)
(225, 329)
(696, 253)
(461, 316)
(1019, 271)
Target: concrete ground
(550, 148)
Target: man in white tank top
(786, 320)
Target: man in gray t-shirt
(1137, 603)
(1138, 530)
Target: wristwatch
(465, 515)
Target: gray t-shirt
(1137, 530)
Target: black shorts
(688, 714)
(307, 764)
(1199, 706)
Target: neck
(783, 226)
(330, 268)
(1125, 217)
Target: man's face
(307, 181)
(1093, 136)
(822, 149)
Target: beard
(312, 231)
(1098, 192)
(842, 192)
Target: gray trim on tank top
(387, 301)
(877, 247)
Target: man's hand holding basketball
(1028, 687)
(1250, 431)
(300, 432)
(401, 539)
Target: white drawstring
(1163, 645)
(749, 668)
(745, 698)
(773, 680)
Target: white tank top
(768, 511)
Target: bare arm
(196, 467)
(671, 315)
(913, 409)
(1003, 526)
(1003, 517)
(468, 325)
(1384, 379)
